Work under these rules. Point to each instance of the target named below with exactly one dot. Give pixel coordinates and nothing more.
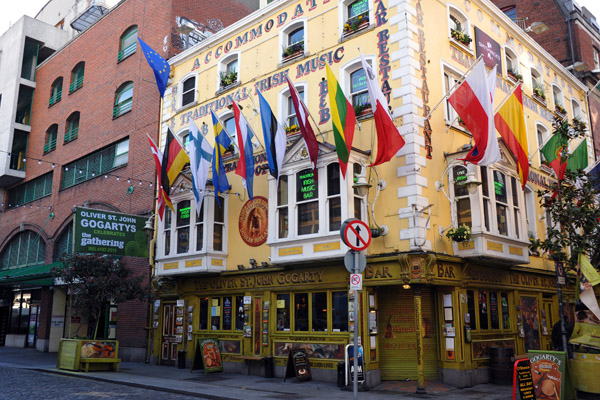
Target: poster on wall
(100, 231)
(531, 326)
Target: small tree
(95, 280)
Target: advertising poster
(207, 356)
(548, 371)
(100, 231)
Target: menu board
(548, 371)
(207, 356)
(525, 380)
(297, 365)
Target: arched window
(513, 70)
(56, 91)
(188, 91)
(64, 243)
(123, 99)
(459, 27)
(24, 249)
(77, 77)
(72, 128)
(355, 16)
(542, 137)
(51, 133)
(353, 81)
(292, 40)
(229, 70)
(287, 112)
(559, 102)
(128, 42)
(537, 85)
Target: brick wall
(132, 316)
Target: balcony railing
(50, 145)
(55, 99)
(76, 84)
(71, 134)
(127, 51)
(122, 108)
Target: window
(187, 88)
(226, 313)
(511, 12)
(537, 85)
(30, 191)
(502, 204)
(291, 120)
(64, 243)
(307, 200)
(72, 127)
(542, 136)
(489, 310)
(95, 164)
(461, 196)
(282, 207)
(123, 99)
(530, 212)
(229, 70)
(77, 77)
(51, 133)
(559, 104)
(358, 200)
(192, 233)
(577, 113)
(325, 311)
(25, 249)
(292, 40)
(56, 91)
(512, 65)
(230, 128)
(596, 59)
(459, 27)
(356, 16)
(451, 77)
(128, 43)
(353, 80)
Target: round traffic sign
(356, 234)
(349, 260)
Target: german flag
(174, 159)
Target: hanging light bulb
(52, 165)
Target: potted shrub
(356, 23)
(362, 109)
(534, 245)
(293, 50)
(460, 36)
(228, 78)
(459, 234)
(291, 130)
(514, 75)
(560, 109)
(578, 124)
(538, 92)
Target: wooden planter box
(86, 354)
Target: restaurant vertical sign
(100, 231)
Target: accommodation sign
(100, 231)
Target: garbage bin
(341, 374)
(269, 367)
(181, 359)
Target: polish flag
(473, 102)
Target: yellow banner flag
(588, 270)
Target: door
(168, 353)
(548, 322)
(34, 314)
(397, 335)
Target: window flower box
(228, 79)
(293, 51)
(460, 234)
(363, 109)
(291, 130)
(357, 23)
(579, 125)
(515, 76)
(560, 110)
(459, 36)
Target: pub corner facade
(268, 275)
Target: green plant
(458, 35)
(354, 23)
(559, 109)
(228, 78)
(459, 234)
(534, 244)
(579, 124)
(538, 90)
(359, 108)
(293, 49)
(515, 74)
(290, 130)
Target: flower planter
(297, 54)
(539, 98)
(86, 354)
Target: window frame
(22, 261)
(450, 76)
(455, 13)
(124, 106)
(130, 49)
(346, 71)
(38, 188)
(558, 98)
(291, 326)
(51, 138)
(77, 76)
(181, 93)
(284, 39)
(283, 107)
(71, 133)
(225, 117)
(512, 64)
(222, 68)
(55, 91)
(475, 319)
(541, 132)
(343, 17)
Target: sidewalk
(222, 386)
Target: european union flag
(222, 143)
(158, 64)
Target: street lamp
(537, 27)
(362, 186)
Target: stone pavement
(223, 386)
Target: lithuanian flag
(343, 119)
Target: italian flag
(343, 118)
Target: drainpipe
(571, 39)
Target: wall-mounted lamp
(252, 263)
(472, 183)
(264, 264)
(537, 27)
(149, 227)
(240, 267)
(578, 66)
(406, 286)
(360, 183)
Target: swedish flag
(159, 65)
(222, 143)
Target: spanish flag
(174, 159)
(510, 122)
(343, 118)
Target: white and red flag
(473, 102)
(245, 167)
(163, 197)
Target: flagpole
(309, 114)
(458, 82)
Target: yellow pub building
(267, 276)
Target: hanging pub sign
(489, 48)
(100, 231)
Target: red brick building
(95, 101)
(573, 38)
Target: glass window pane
(239, 316)
(463, 209)
(486, 214)
(333, 179)
(308, 218)
(283, 222)
(282, 191)
(335, 213)
(283, 312)
(319, 312)
(500, 186)
(339, 311)
(227, 310)
(129, 37)
(505, 314)
(307, 187)
(126, 93)
(301, 311)
(515, 196)
(218, 238)
(219, 211)
(501, 218)
(358, 207)
(296, 36)
(199, 237)
(232, 66)
(460, 177)
(183, 240)
(495, 323)
(484, 182)
(215, 314)
(471, 309)
(203, 314)
(483, 310)
(517, 216)
(358, 81)
(183, 213)
(189, 84)
(358, 7)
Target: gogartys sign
(99, 231)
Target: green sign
(99, 231)
(306, 185)
(549, 373)
(358, 7)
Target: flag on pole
(594, 175)
(343, 119)
(200, 159)
(472, 102)
(173, 161)
(588, 270)
(552, 151)
(222, 143)
(159, 66)
(163, 198)
(307, 131)
(389, 140)
(245, 167)
(579, 158)
(510, 122)
(274, 137)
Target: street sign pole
(356, 325)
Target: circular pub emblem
(253, 221)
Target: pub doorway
(168, 352)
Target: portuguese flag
(552, 153)
(343, 118)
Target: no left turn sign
(356, 234)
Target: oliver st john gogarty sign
(100, 231)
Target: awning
(89, 17)
(26, 274)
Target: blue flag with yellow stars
(158, 64)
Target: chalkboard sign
(207, 356)
(525, 380)
(297, 365)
